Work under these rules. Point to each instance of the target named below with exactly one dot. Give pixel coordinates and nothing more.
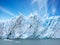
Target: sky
(12, 8)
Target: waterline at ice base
(30, 27)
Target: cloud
(41, 3)
(6, 11)
(33, 1)
(42, 7)
(37, 1)
(53, 11)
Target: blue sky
(54, 4)
(11, 8)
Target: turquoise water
(31, 42)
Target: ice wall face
(30, 27)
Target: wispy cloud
(53, 11)
(41, 3)
(42, 7)
(6, 11)
(33, 1)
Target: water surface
(31, 42)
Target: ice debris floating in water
(30, 27)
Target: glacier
(30, 27)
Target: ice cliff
(30, 27)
